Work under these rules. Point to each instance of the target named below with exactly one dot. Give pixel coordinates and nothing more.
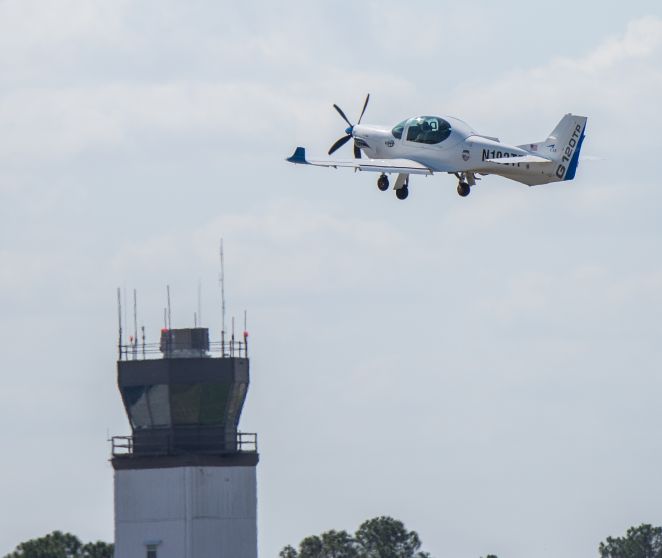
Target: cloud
(616, 84)
(38, 40)
(285, 248)
(641, 40)
(573, 302)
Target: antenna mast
(135, 324)
(119, 322)
(245, 333)
(169, 326)
(200, 302)
(126, 304)
(221, 280)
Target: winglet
(299, 156)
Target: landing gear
(402, 193)
(465, 181)
(463, 189)
(382, 183)
(401, 186)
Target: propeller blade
(341, 113)
(365, 105)
(342, 141)
(357, 152)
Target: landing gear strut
(463, 189)
(382, 183)
(402, 193)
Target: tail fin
(563, 146)
(567, 138)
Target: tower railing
(170, 443)
(217, 349)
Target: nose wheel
(382, 183)
(463, 189)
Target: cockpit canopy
(423, 129)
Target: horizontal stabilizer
(299, 156)
(520, 159)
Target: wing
(372, 165)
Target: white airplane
(430, 144)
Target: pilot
(424, 133)
(414, 131)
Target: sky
(485, 369)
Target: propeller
(343, 140)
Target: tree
(332, 544)
(98, 549)
(310, 547)
(385, 537)
(381, 537)
(644, 541)
(61, 545)
(338, 544)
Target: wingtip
(299, 156)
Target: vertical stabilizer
(562, 146)
(567, 137)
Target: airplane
(433, 144)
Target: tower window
(151, 551)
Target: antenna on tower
(245, 333)
(125, 310)
(232, 342)
(221, 280)
(169, 315)
(135, 324)
(199, 320)
(119, 322)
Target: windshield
(428, 129)
(398, 129)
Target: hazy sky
(486, 369)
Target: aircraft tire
(382, 183)
(402, 193)
(463, 189)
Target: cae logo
(569, 151)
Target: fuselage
(447, 144)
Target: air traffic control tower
(185, 480)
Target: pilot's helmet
(425, 126)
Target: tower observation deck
(185, 479)
(183, 397)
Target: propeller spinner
(343, 140)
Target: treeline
(384, 537)
(381, 537)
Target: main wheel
(402, 193)
(463, 189)
(382, 183)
